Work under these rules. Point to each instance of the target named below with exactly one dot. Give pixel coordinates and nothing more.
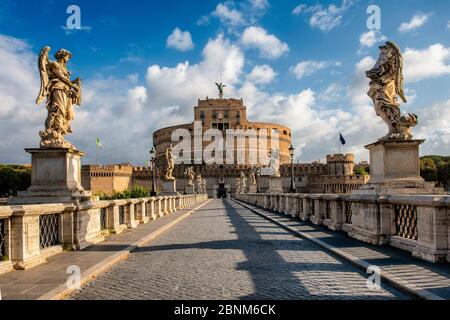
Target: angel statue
(220, 87)
(61, 94)
(252, 174)
(243, 180)
(170, 163)
(199, 183)
(274, 163)
(386, 83)
(189, 174)
(204, 186)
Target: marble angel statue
(386, 84)
(60, 94)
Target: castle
(334, 176)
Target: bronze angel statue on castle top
(60, 94)
(386, 83)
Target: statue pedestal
(55, 177)
(395, 169)
(252, 188)
(271, 184)
(169, 188)
(190, 189)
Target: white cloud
(431, 62)
(325, 18)
(180, 40)
(228, 15)
(434, 126)
(235, 15)
(309, 67)
(20, 118)
(262, 74)
(116, 109)
(448, 24)
(416, 21)
(370, 38)
(185, 83)
(259, 4)
(270, 47)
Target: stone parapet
(31, 234)
(419, 224)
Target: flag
(99, 144)
(342, 139)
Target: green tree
(14, 178)
(362, 171)
(428, 169)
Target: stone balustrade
(29, 234)
(419, 224)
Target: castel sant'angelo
(335, 176)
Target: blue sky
(300, 63)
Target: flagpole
(339, 142)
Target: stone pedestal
(275, 185)
(55, 177)
(252, 188)
(169, 188)
(395, 169)
(190, 189)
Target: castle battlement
(341, 158)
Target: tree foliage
(14, 178)
(437, 169)
(137, 192)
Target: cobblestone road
(225, 251)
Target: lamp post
(152, 168)
(291, 152)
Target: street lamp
(291, 152)
(152, 168)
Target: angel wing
(43, 63)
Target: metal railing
(48, 230)
(348, 212)
(327, 210)
(103, 213)
(406, 221)
(2, 240)
(121, 214)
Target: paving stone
(225, 251)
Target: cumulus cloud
(20, 117)
(237, 14)
(269, 46)
(434, 126)
(309, 67)
(124, 112)
(370, 38)
(430, 62)
(325, 18)
(262, 74)
(185, 83)
(180, 40)
(227, 14)
(416, 22)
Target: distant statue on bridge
(170, 163)
(60, 94)
(386, 83)
(252, 174)
(243, 180)
(274, 163)
(190, 176)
